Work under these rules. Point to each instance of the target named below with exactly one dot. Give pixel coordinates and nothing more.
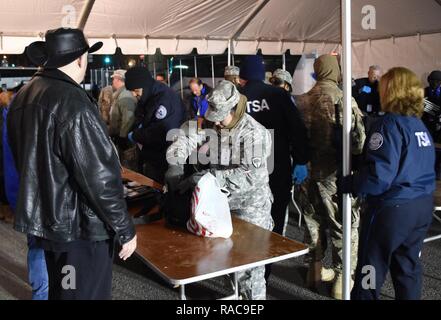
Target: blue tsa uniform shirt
(399, 161)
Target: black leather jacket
(70, 181)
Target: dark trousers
(391, 238)
(155, 171)
(282, 196)
(84, 272)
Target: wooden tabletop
(181, 257)
(143, 180)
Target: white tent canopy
(408, 32)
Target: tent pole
(347, 114)
(154, 68)
(229, 52)
(85, 14)
(168, 73)
(182, 81)
(212, 70)
(195, 67)
(232, 58)
(283, 61)
(248, 19)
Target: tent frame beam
(85, 13)
(248, 19)
(346, 34)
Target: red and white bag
(210, 212)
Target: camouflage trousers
(319, 203)
(252, 284)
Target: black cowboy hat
(62, 46)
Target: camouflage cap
(120, 73)
(231, 71)
(283, 75)
(221, 100)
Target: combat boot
(337, 288)
(313, 276)
(327, 275)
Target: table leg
(438, 237)
(182, 292)
(236, 286)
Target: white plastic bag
(210, 212)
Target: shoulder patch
(376, 141)
(161, 112)
(257, 162)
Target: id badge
(369, 108)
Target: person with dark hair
(199, 92)
(161, 78)
(397, 180)
(71, 195)
(159, 110)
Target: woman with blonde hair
(397, 181)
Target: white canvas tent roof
(408, 32)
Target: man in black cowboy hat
(71, 195)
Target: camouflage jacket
(318, 109)
(238, 158)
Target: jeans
(37, 270)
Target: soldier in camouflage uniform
(240, 166)
(319, 112)
(231, 73)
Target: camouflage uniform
(240, 166)
(122, 118)
(318, 108)
(105, 103)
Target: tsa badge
(257, 162)
(161, 112)
(376, 141)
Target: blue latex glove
(300, 174)
(130, 137)
(366, 89)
